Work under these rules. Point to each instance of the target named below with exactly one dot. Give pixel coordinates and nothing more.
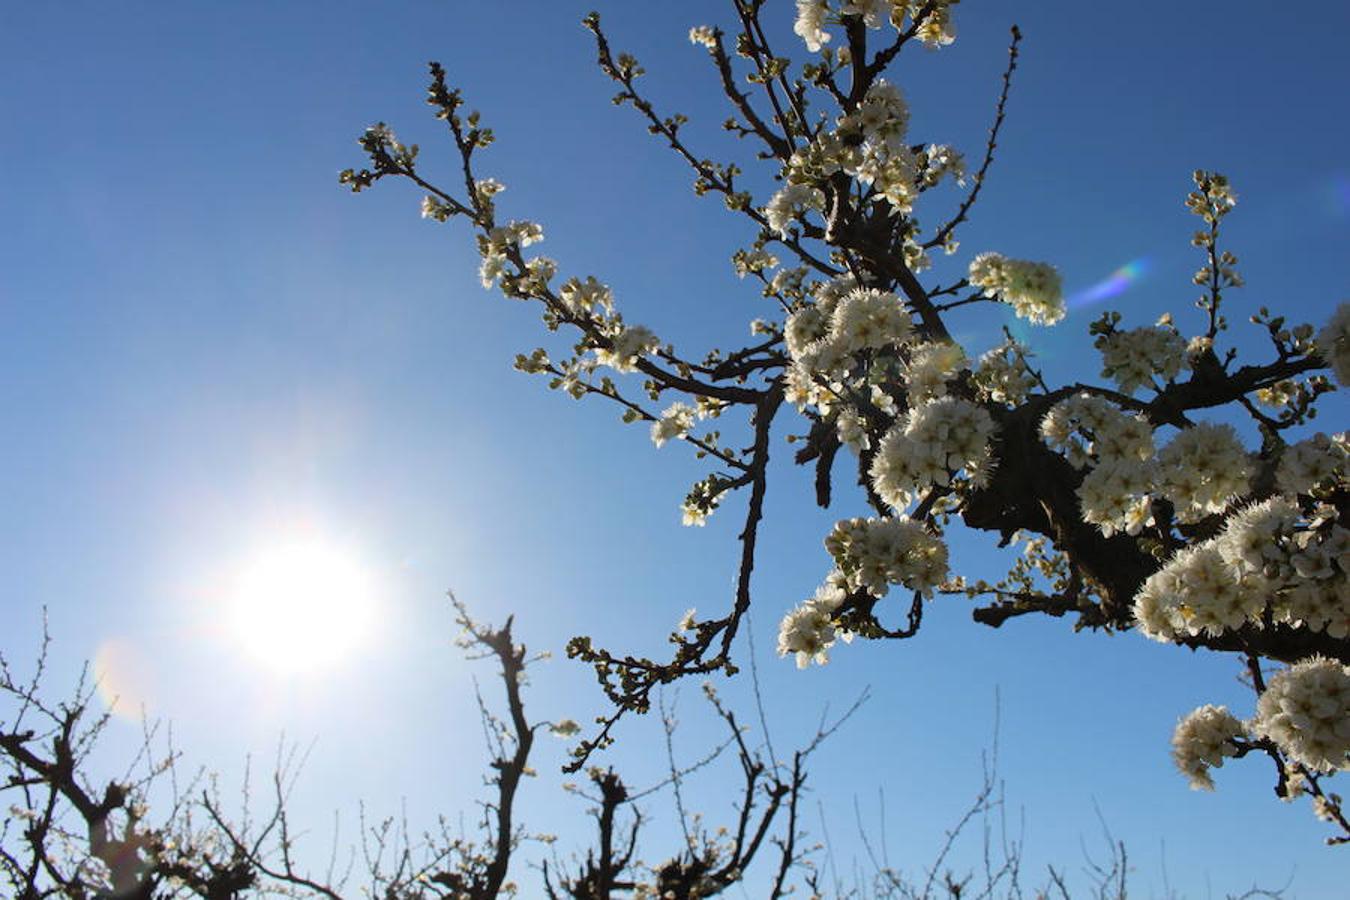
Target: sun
(301, 605)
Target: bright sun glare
(301, 605)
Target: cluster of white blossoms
(941, 161)
(1115, 496)
(1314, 464)
(583, 298)
(494, 246)
(1118, 447)
(485, 189)
(1306, 711)
(627, 345)
(881, 117)
(747, 261)
(1089, 429)
(790, 202)
(935, 30)
(1270, 560)
(1132, 358)
(852, 430)
(1203, 469)
(809, 631)
(873, 554)
(1202, 741)
(675, 422)
(826, 339)
(1279, 394)
(869, 144)
(931, 444)
(1033, 289)
(868, 319)
(1001, 374)
(883, 160)
(1333, 343)
(785, 283)
(810, 25)
(930, 367)
(703, 35)
(1302, 565)
(1197, 592)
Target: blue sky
(205, 342)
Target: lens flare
(1113, 285)
(123, 677)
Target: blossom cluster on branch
(1184, 496)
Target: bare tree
(66, 835)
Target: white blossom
(810, 26)
(1300, 568)
(870, 11)
(522, 233)
(1085, 427)
(1197, 592)
(1202, 741)
(1203, 469)
(786, 282)
(584, 297)
(539, 271)
(940, 160)
(704, 35)
(1306, 711)
(882, 117)
(492, 268)
(936, 29)
(891, 169)
(753, 261)
(829, 293)
(484, 189)
(928, 446)
(852, 430)
(801, 388)
(1319, 461)
(1002, 376)
(789, 202)
(432, 208)
(803, 328)
(1033, 289)
(930, 367)
(1132, 358)
(693, 515)
(809, 631)
(674, 423)
(868, 319)
(873, 554)
(629, 344)
(1114, 496)
(1255, 540)
(1333, 343)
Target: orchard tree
(159, 831)
(1182, 494)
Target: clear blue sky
(205, 341)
